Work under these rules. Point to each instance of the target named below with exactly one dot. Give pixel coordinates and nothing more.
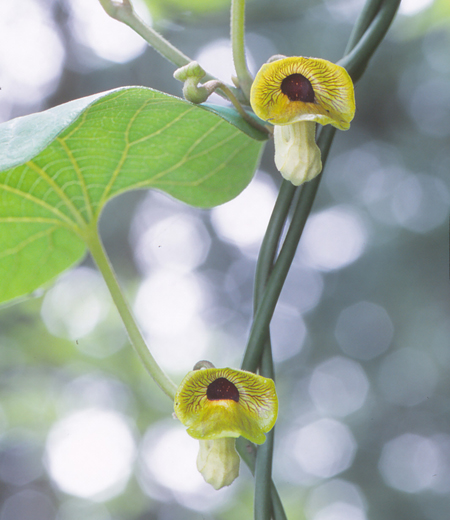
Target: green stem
(247, 451)
(370, 9)
(267, 255)
(356, 61)
(98, 253)
(245, 79)
(263, 468)
(263, 479)
(216, 84)
(271, 239)
(269, 279)
(282, 265)
(123, 12)
(267, 500)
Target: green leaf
(60, 167)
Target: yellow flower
(218, 405)
(293, 94)
(222, 402)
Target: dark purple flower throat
(222, 389)
(298, 88)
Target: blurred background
(361, 334)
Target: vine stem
(272, 270)
(93, 241)
(376, 19)
(245, 79)
(123, 11)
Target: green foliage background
(401, 129)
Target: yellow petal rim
(334, 98)
(253, 415)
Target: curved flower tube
(218, 405)
(293, 94)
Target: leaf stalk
(100, 257)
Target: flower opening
(221, 402)
(303, 89)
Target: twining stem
(92, 239)
(263, 468)
(272, 271)
(244, 77)
(358, 57)
(271, 240)
(356, 61)
(247, 451)
(363, 22)
(267, 503)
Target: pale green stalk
(124, 12)
(244, 77)
(98, 253)
(228, 93)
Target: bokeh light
(421, 203)
(303, 288)
(323, 448)
(333, 239)
(338, 386)
(364, 330)
(90, 453)
(243, 220)
(336, 497)
(75, 305)
(180, 242)
(168, 469)
(108, 38)
(412, 7)
(168, 307)
(28, 504)
(409, 462)
(30, 68)
(169, 301)
(288, 332)
(407, 377)
(340, 511)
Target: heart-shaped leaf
(60, 167)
